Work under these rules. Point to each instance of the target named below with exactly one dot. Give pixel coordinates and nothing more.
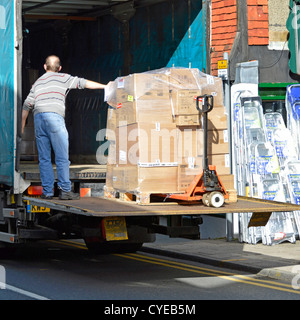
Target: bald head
(52, 63)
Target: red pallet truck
(206, 186)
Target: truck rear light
(35, 190)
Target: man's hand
(24, 117)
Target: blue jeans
(50, 130)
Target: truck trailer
(97, 40)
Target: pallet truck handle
(207, 102)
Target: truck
(97, 40)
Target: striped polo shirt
(48, 93)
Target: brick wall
(258, 22)
(224, 27)
(223, 30)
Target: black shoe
(63, 195)
(46, 197)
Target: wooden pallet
(145, 198)
(142, 198)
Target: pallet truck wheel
(216, 199)
(205, 199)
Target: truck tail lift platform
(207, 185)
(101, 207)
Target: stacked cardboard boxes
(156, 134)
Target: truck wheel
(216, 199)
(6, 250)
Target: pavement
(280, 261)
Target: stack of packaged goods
(155, 131)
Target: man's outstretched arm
(94, 85)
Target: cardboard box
(157, 179)
(139, 179)
(186, 175)
(156, 126)
(147, 144)
(180, 78)
(217, 142)
(213, 86)
(216, 119)
(111, 124)
(144, 111)
(221, 161)
(126, 113)
(141, 86)
(190, 140)
(158, 84)
(109, 176)
(188, 120)
(159, 93)
(187, 172)
(112, 156)
(184, 101)
(227, 180)
(154, 111)
(125, 178)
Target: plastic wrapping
(266, 152)
(278, 229)
(273, 122)
(266, 160)
(284, 145)
(291, 175)
(160, 84)
(251, 235)
(156, 131)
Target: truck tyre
(6, 250)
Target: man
(47, 101)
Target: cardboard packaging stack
(156, 134)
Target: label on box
(157, 126)
(130, 98)
(191, 161)
(227, 161)
(120, 83)
(210, 79)
(123, 155)
(157, 164)
(225, 135)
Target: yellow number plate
(115, 228)
(35, 209)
